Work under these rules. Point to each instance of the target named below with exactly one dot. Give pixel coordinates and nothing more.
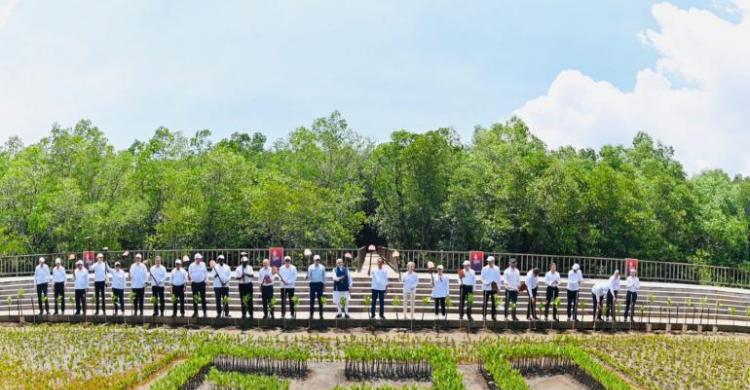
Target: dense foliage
(325, 185)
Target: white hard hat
(198, 256)
(491, 259)
(287, 258)
(221, 257)
(41, 259)
(576, 267)
(138, 256)
(98, 255)
(58, 261)
(79, 262)
(244, 258)
(440, 267)
(466, 262)
(316, 257)
(178, 261)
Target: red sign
(277, 256)
(630, 264)
(88, 258)
(476, 258)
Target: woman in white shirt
(410, 280)
(614, 288)
(440, 288)
(633, 284)
(532, 284)
(552, 280)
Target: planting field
(120, 357)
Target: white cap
(79, 262)
(491, 258)
(287, 258)
(576, 267)
(178, 261)
(440, 267)
(58, 261)
(466, 262)
(244, 258)
(221, 257)
(98, 255)
(198, 256)
(41, 259)
(138, 256)
(316, 257)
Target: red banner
(630, 264)
(477, 259)
(276, 255)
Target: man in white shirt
(221, 274)
(633, 284)
(512, 281)
(244, 272)
(179, 278)
(598, 294)
(118, 287)
(342, 281)
(197, 274)
(532, 287)
(100, 269)
(316, 274)
(265, 280)
(614, 289)
(42, 277)
(158, 276)
(379, 277)
(59, 276)
(410, 280)
(552, 280)
(81, 284)
(490, 284)
(138, 275)
(467, 279)
(440, 290)
(575, 280)
(288, 276)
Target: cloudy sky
(585, 72)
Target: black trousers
(551, 296)
(377, 295)
(41, 295)
(179, 297)
(596, 309)
(80, 300)
(463, 304)
(99, 294)
(60, 296)
(158, 292)
(287, 294)
(611, 304)
(119, 299)
(199, 295)
(630, 298)
(489, 299)
(440, 302)
(316, 292)
(246, 294)
(531, 304)
(138, 304)
(266, 293)
(511, 296)
(573, 304)
(220, 293)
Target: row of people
(197, 273)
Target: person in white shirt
(410, 280)
(575, 280)
(316, 274)
(221, 274)
(42, 277)
(100, 270)
(440, 290)
(197, 274)
(467, 280)
(118, 287)
(59, 276)
(552, 280)
(179, 278)
(265, 280)
(598, 294)
(138, 275)
(244, 272)
(288, 276)
(614, 288)
(342, 282)
(81, 284)
(158, 276)
(379, 286)
(490, 285)
(632, 284)
(532, 287)
(511, 282)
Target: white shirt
(379, 279)
(41, 274)
(470, 278)
(614, 283)
(118, 279)
(599, 290)
(59, 275)
(179, 276)
(552, 279)
(158, 275)
(138, 275)
(440, 289)
(81, 278)
(289, 275)
(221, 273)
(244, 273)
(264, 272)
(575, 278)
(100, 271)
(532, 281)
(198, 272)
(489, 275)
(512, 278)
(633, 283)
(410, 280)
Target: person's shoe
(461, 317)
(55, 314)
(494, 318)
(41, 313)
(346, 315)
(338, 315)
(195, 315)
(265, 316)
(47, 312)
(104, 312)
(227, 315)
(515, 318)
(506, 318)
(77, 314)
(155, 314)
(546, 318)
(97, 313)
(470, 318)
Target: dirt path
(326, 375)
(554, 382)
(473, 380)
(155, 376)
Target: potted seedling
(153, 300)
(704, 304)
(732, 312)
(19, 296)
(448, 305)
(426, 301)
(71, 302)
(323, 301)
(397, 304)
(59, 302)
(274, 301)
(173, 301)
(691, 307)
(669, 314)
(225, 304)
(295, 299)
(9, 302)
(368, 302)
(716, 317)
(651, 299)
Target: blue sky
(131, 66)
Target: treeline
(326, 186)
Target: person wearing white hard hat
(158, 277)
(410, 281)
(118, 287)
(81, 284)
(100, 270)
(511, 282)
(633, 284)
(490, 285)
(288, 276)
(614, 289)
(42, 276)
(138, 276)
(342, 281)
(316, 275)
(575, 280)
(552, 280)
(197, 274)
(244, 272)
(222, 275)
(440, 290)
(379, 286)
(59, 277)
(178, 279)
(467, 278)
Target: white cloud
(695, 97)
(6, 9)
